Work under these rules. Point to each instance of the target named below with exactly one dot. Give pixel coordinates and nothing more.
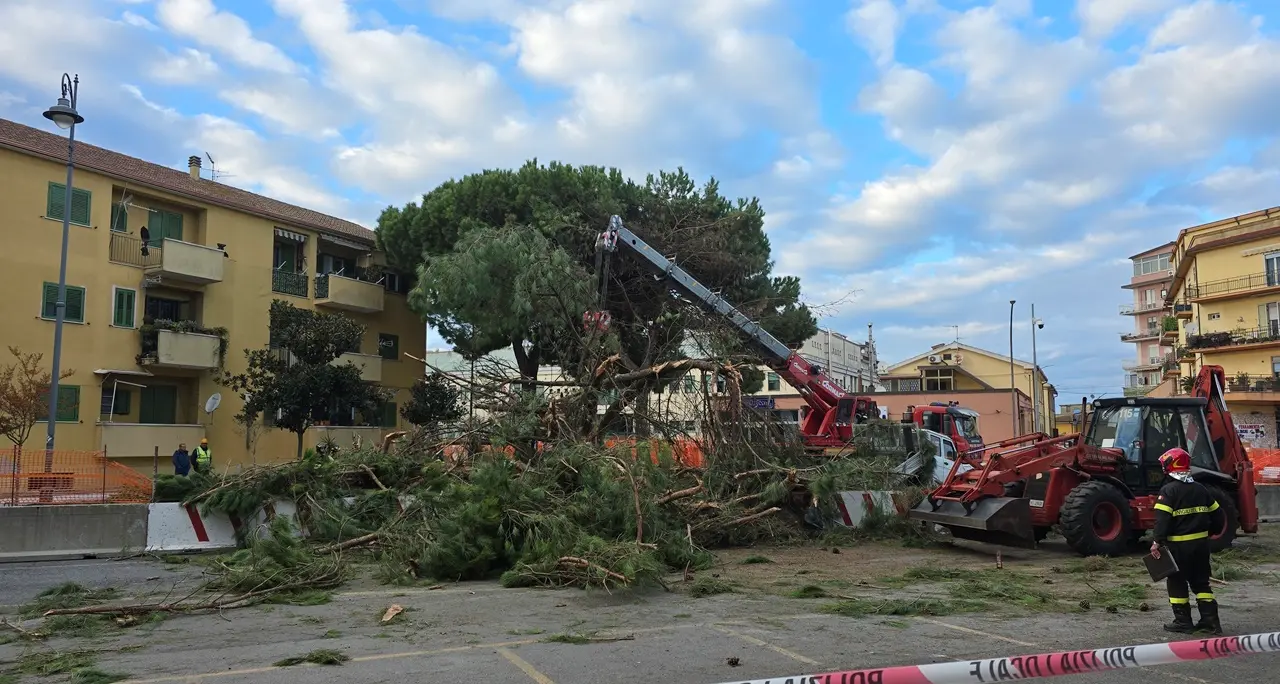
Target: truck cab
(956, 422)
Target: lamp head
(63, 114)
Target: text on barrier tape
(1016, 668)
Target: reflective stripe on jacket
(203, 456)
(1186, 511)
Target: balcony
(1148, 334)
(140, 440)
(172, 260)
(1140, 307)
(1255, 283)
(370, 365)
(1152, 363)
(349, 294)
(288, 283)
(1254, 384)
(1236, 339)
(182, 345)
(1138, 390)
(1183, 311)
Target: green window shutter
(158, 405)
(75, 304)
(57, 196)
(124, 402)
(123, 313)
(119, 217)
(81, 201)
(389, 414)
(49, 301)
(155, 226)
(173, 226)
(68, 403)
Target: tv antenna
(956, 329)
(214, 174)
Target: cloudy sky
(923, 161)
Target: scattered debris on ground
(322, 656)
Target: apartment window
(119, 218)
(389, 346)
(80, 203)
(117, 402)
(720, 383)
(938, 380)
(1269, 318)
(163, 224)
(1275, 366)
(1215, 316)
(68, 404)
(909, 385)
(689, 386)
(335, 264)
(123, 307)
(158, 405)
(75, 303)
(1272, 262)
(1151, 264)
(388, 417)
(775, 383)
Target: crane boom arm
(830, 406)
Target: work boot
(1209, 618)
(1181, 619)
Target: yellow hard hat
(204, 440)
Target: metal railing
(322, 286)
(1214, 340)
(1244, 382)
(1126, 309)
(1244, 283)
(1151, 362)
(129, 250)
(288, 283)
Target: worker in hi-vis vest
(203, 457)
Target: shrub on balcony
(151, 335)
(1209, 340)
(1170, 324)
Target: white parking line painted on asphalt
(975, 632)
(764, 644)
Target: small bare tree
(24, 395)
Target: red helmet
(1176, 461)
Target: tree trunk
(300, 435)
(527, 363)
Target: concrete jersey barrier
(33, 533)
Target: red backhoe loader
(1100, 486)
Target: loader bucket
(996, 520)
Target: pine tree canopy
(507, 258)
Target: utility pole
(1013, 390)
(1035, 373)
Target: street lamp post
(1035, 372)
(1013, 390)
(65, 116)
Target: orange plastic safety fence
(1266, 465)
(34, 476)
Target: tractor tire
(1096, 519)
(1223, 539)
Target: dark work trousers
(1194, 570)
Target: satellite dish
(212, 404)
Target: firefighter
(1185, 513)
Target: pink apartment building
(1155, 330)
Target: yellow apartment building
(976, 378)
(1225, 292)
(148, 324)
(1154, 328)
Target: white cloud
(1101, 18)
(201, 21)
(876, 23)
(137, 20)
(189, 67)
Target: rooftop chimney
(193, 165)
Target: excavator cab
(1143, 429)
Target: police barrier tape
(1016, 668)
